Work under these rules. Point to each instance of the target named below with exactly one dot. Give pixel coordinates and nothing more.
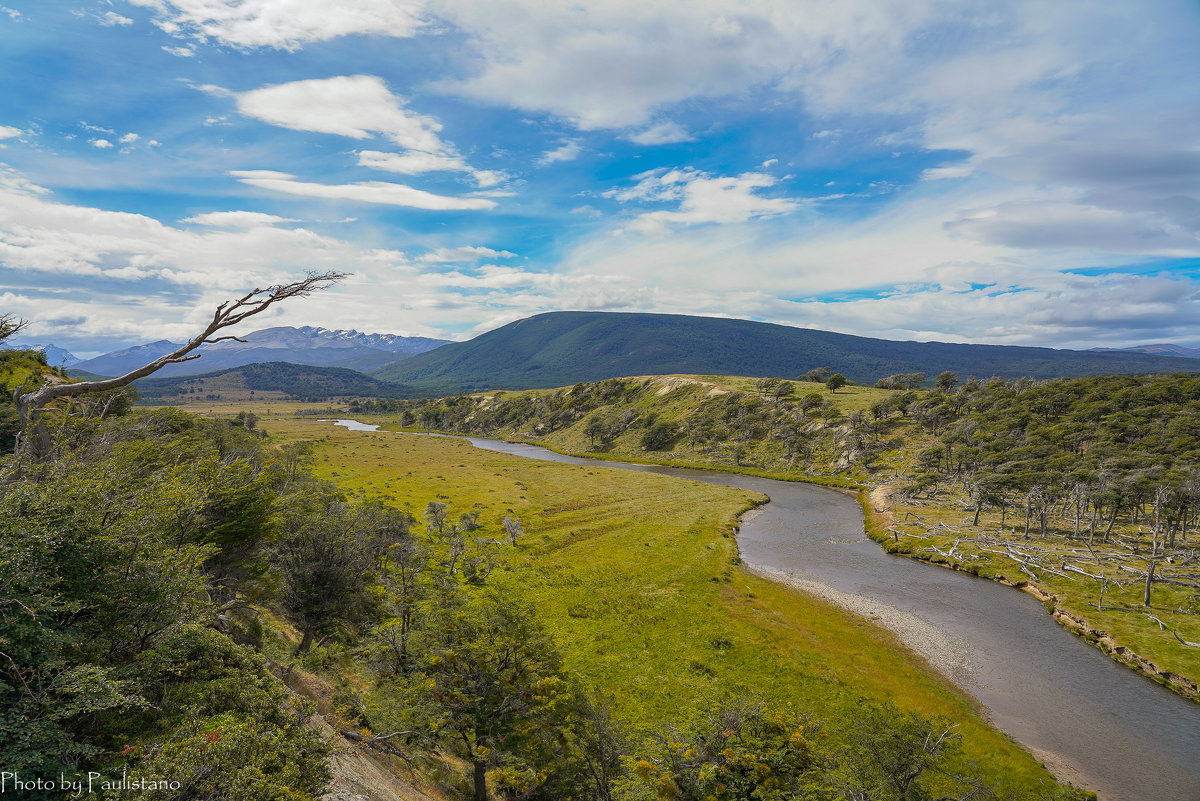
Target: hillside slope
(265, 381)
(560, 348)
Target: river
(1095, 723)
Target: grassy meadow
(637, 577)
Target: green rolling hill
(560, 348)
(265, 381)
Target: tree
(889, 754)
(817, 376)
(513, 528)
(739, 750)
(836, 382)
(659, 436)
(323, 558)
(494, 685)
(946, 381)
(31, 403)
(10, 324)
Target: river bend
(1094, 722)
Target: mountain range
(307, 345)
(561, 348)
(1161, 349)
(55, 356)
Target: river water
(1096, 723)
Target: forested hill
(266, 381)
(560, 348)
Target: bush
(660, 436)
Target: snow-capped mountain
(306, 345)
(55, 356)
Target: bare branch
(10, 324)
(227, 314)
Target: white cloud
(182, 51)
(237, 219)
(283, 24)
(356, 106)
(8, 132)
(112, 18)
(410, 163)
(493, 276)
(567, 151)
(12, 13)
(129, 138)
(364, 192)
(664, 133)
(702, 199)
(360, 107)
(102, 144)
(415, 162)
(464, 254)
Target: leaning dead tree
(10, 324)
(34, 437)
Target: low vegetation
(634, 578)
(1087, 488)
(509, 630)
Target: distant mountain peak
(55, 355)
(309, 345)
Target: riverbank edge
(876, 521)
(875, 527)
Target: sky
(1023, 173)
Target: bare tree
(512, 526)
(9, 325)
(230, 313)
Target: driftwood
(381, 742)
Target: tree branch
(227, 314)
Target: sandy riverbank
(946, 653)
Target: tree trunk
(1149, 578)
(1112, 519)
(479, 775)
(305, 643)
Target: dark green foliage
(561, 348)
(946, 381)
(491, 686)
(325, 552)
(660, 436)
(301, 382)
(107, 551)
(234, 732)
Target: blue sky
(1011, 172)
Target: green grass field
(636, 576)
